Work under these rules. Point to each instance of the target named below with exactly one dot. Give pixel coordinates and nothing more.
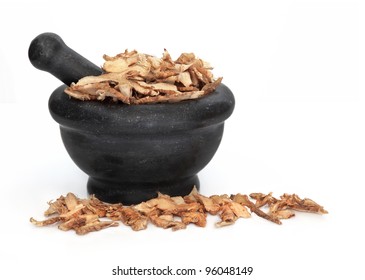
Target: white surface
(297, 71)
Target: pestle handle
(49, 53)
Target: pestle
(49, 53)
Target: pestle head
(48, 52)
(43, 49)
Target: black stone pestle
(49, 53)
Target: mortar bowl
(132, 152)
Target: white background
(297, 71)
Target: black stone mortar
(131, 152)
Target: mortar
(131, 152)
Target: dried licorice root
(136, 78)
(87, 215)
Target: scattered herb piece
(87, 215)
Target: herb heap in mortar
(84, 215)
(135, 78)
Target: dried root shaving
(136, 78)
(88, 215)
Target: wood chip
(129, 75)
(88, 215)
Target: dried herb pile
(136, 78)
(87, 215)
